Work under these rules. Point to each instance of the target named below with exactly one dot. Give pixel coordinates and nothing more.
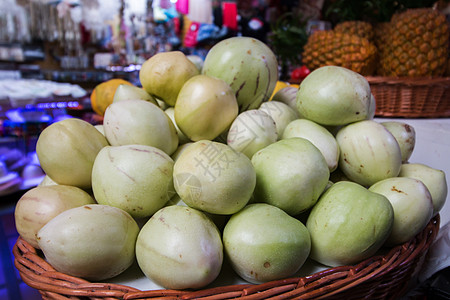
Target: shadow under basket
(411, 97)
(384, 276)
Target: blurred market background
(54, 53)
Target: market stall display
(210, 166)
(203, 173)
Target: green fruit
(67, 150)
(251, 131)
(99, 127)
(47, 181)
(182, 139)
(247, 65)
(179, 150)
(212, 177)
(405, 136)
(334, 95)
(219, 220)
(413, 207)
(131, 92)
(41, 204)
(348, 224)
(263, 243)
(319, 136)
(135, 178)
(196, 60)
(288, 96)
(291, 174)
(139, 122)
(163, 75)
(434, 180)
(180, 248)
(281, 113)
(94, 242)
(372, 108)
(369, 152)
(205, 107)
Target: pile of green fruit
(197, 169)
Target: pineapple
(381, 36)
(340, 49)
(417, 44)
(360, 28)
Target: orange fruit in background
(103, 94)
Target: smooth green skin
(248, 65)
(180, 150)
(164, 74)
(288, 96)
(182, 139)
(41, 204)
(348, 224)
(405, 136)
(281, 113)
(369, 152)
(67, 150)
(291, 174)
(99, 127)
(163, 105)
(251, 131)
(131, 92)
(135, 178)
(47, 181)
(94, 242)
(263, 243)
(214, 178)
(205, 107)
(319, 136)
(372, 108)
(180, 248)
(219, 220)
(413, 207)
(138, 122)
(334, 95)
(434, 180)
(196, 60)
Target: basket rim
(39, 274)
(415, 81)
(395, 80)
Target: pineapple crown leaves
(288, 37)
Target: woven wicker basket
(380, 277)
(411, 97)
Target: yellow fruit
(330, 48)
(360, 28)
(103, 94)
(417, 44)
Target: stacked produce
(414, 43)
(417, 44)
(330, 47)
(215, 174)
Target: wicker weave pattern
(380, 277)
(411, 97)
